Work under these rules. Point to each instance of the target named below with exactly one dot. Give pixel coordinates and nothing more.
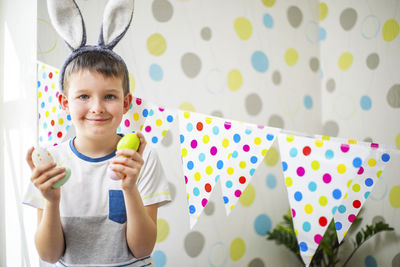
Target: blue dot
(160, 259)
(156, 72)
(202, 157)
(370, 262)
(366, 195)
(342, 209)
(308, 102)
(270, 137)
(151, 112)
(196, 191)
(271, 181)
(268, 21)
(284, 165)
(357, 162)
(369, 182)
(189, 127)
(252, 171)
(253, 159)
(306, 226)
(236, 138)
(228, 184)
(41, 139)
(68, 126)
(220, 164)
(338, 225)
(154, 140)
(293, 152)
(50, 138)
(215, 130)
(262, 224)
(385, 157)
(366, 102)
(44, 75)
(145, 113)
(42, 105)
(337, 194)
(298, 196)
(192, 209)
(235, 154)
(118, 129)
(45, 125)
(259, 61)
(190, 165)
(38, 84)
(312, 186)
(334, 209)
(50, 99)
(322, 34)
(68, 117)
(303, 246)
(226, 199)
(217, 178)
(248, 131)
(170, 118)
(329, 154)
(182, 138)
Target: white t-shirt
(92, 207)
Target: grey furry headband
(68, 22)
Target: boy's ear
(63, 100)
(127, 102)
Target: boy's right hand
(44, 176)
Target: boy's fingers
(39, 170)
(43, 177)
(142, 143)
(29, 158)
(128, 153)
(53, 180)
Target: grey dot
(167, 140)
(217, 113)
(396, 260)
(330, 128)
(372, 61)
(209, 208)
(348, 18)
(276, 77)
(206, 33)
(194, 243)
(393, 96)
(295, 16)
(191, 64)
(330, 85)
(253, 104)
(368, 139)
(162, 10)
(172, 190)
(377, 219)
(314, 64)
(257, 262)
(276, 121)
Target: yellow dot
(187, 195)
(235, 80)
(315, 165)
(323, 11)
(394, 196)
(131, 83)
(158, 122)
(349, 183)
(184, 152)
(60, 121)
(248, 196)
(345, 61)
(345, 196)
(164, 132)
(356, 187)
(156, 44)
(272, 157)
(209, 120)
(53, 85)
(319, 143)
(141, 127)
(398, 141)
(264, 152)
(378, 174)
(54, 109)
(237, 249)
(289, 138)
(288, 182)
(268, 3)
(291, 57)
(197, 176)
(206, 139)
(341, 168)
(187, 106)
(323, 201)
(136, 116)
(308, 208)
(47, 114)
(186, 115)
(352, 142)
(390, 30)
(40, 94)
(296, 232)
(209, 170)
(225, 143)
(243, 28)
(162, 230)
(326, 138)
(257, 140)
(242, 164)
(230, 170)
(372, 162)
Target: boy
(93, 220)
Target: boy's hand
(129, 162)
(44, 176)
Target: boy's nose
(97, 106)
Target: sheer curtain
(17, 129)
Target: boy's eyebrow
(110, 90)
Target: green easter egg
(64, 180)
(130, 141)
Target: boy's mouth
(97, 119)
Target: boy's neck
(96, 148)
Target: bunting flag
(316, 173)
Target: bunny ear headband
(68, 22)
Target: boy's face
(96, 104)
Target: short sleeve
(33, 197)
(153, 184)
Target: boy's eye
(110, 97)
(83, 97)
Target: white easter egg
(115, 175)
(41, 156)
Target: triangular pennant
(316, 173)
(53, 122)
(248, 144)
(204, 157)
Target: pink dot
(161, 109)
(352, 217)
(204, 202)
(238, 193)
(345, 148)
(138, 101)
(246, 148)
(360, 170)
(374, 145)
(57, 94)
(49, 134)
(39, 115)
(46, 88)
(127, 123)
(300, 171)
(193, 144)
(147, 129)
(186, 179)
(213, 151)
(317, 238)
(227, 125)
(327, 178)
(293, 213)
(260, 126)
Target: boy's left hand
(129, 162)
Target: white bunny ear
(116, 20)
(68, 22)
